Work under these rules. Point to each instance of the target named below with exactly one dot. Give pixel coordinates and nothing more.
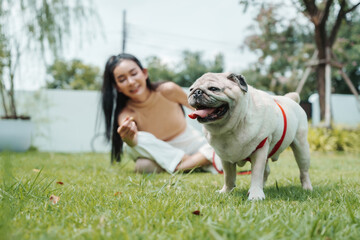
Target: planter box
(15, 134)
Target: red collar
(262, 143)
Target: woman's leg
(157, 155)
(144, 165)
(199, 152)
(154, 150)
(192, 161)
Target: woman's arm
(174, 93)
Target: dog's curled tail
(294, 96)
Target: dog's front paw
(225, 189)
(307, 186)
(256, 193)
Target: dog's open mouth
(206, 114)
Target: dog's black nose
(198, 93)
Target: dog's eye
(214, 89)
(191, 89)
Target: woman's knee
(143, 165)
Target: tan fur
(294, 96)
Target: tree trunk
(12, 89)
(321, 43)
(321, 88)
(3, 99)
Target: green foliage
(285, 45)
(159, 71)
(39, 28)
(100, 201)
(335, 139)
(190, 68)
(73, 75)
(347, 50)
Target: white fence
(345, 110)
(66, 120)
(71, 121)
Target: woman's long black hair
(114, 102)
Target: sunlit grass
(100, 201)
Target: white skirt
(169, 154)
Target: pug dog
(246, 124)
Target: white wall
(67, 120)
(345, 109)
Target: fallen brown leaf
(61, 183)
(197, 212)
(54, 199)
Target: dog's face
(215, 95)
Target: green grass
(100, 201)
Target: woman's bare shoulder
(171, 90)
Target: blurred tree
(36, 26)
(189, 68)
(347, 50)
(159, 71)
(326, 18)
(192, 67)
(73, 75)
(283, 47)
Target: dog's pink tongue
(201, 113)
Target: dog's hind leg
(301, 150)
(266, 172)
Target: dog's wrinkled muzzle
(197, 93)
(197, 98)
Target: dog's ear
(240, 80)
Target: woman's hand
(128, 131)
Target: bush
(335, 139)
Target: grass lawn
(100, 201)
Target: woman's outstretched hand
(128, 131)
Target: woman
(150, 120)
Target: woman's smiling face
(130, 80)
